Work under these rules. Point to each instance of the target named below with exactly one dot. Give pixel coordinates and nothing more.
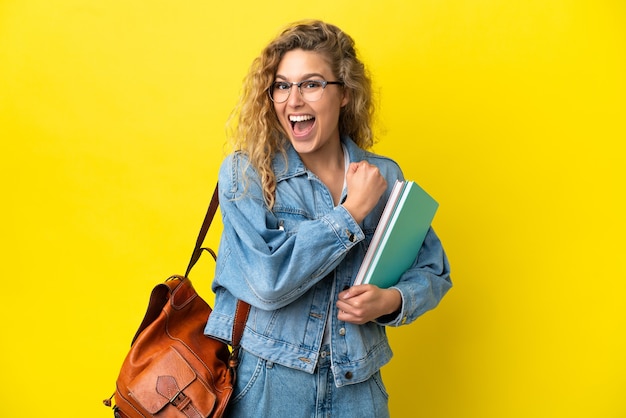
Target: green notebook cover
(401, 233)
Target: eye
(281, 86)
(311, 84)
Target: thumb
(353, 291)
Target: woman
(300, 200)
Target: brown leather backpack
(172, 368)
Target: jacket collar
(296, 167)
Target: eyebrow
(305, 77)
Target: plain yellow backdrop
(511, 113)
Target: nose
(295, 98)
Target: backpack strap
(243, 308)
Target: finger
(354, 291)
(353, 167)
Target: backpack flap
(170, 381)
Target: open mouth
(301, 124)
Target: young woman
(300, 199)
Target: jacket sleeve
(258, 261)
(424, 284)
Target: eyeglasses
(310, 90)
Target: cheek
(331, 117)
(279, 111)
(281, 118)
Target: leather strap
(167, 387)
(208, 218)
(243, 308)
(239, 323)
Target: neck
(329, 161)
(330, 170)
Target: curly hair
(254, 128)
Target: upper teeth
(300, 118)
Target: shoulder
(236, 174)
(234, 163)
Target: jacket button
(348, 375)
(342, 331)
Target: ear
(345, 98)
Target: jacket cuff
(394, 319)
(345, 227)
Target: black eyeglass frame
(299, 84)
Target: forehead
(297, 64)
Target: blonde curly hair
(254, 128)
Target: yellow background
(511, 113)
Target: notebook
(399, 235)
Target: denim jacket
(291, 262)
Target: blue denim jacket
(291, 263)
